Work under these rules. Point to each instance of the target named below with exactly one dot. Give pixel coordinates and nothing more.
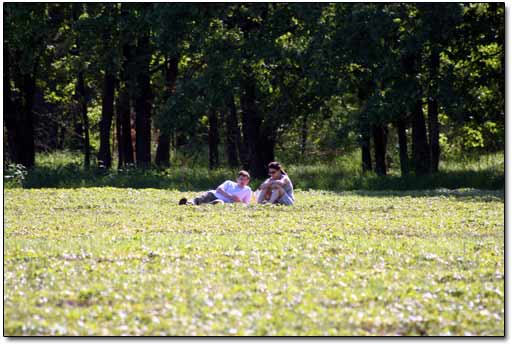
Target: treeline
(143, 79)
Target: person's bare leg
(263, 195)
(277, 193)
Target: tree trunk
(126, 93)
(402, 142)
(434, 133)
(379, 141)
(266, 148)
(143, 104)
(107, 112)
(244, 144)
(62, 137)
(77, 142)
(420, 147)
(114, 128)
(304, 136)
(233, 133)
(122, 95)
(119, 134)
(26, 126)
(213, 139)
(127, 133)
(124, 113)
(82, 129)
(163, 151)
(10, 119)
(364, 127)
(252, 124)
(433, 110)
(366, 156)
(82, 101)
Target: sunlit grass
(107, 261)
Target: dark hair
(277, 166)
(244, 173)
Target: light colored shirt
(233, 188)
(288, 185)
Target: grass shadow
(336, 178)
(489, 179)
(465, 194)
(74, 176)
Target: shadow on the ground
(467, 194)
(74, 176)
(200, 179)
(484, 179)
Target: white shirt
(233, 188)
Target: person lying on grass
(278, 189)
(228, 192)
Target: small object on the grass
(183, 201)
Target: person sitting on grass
(278, 189)
(228, 192)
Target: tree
(126, 87)
(368, 57)
(420, 147)
(143, 93)
(81, 97)
(402, 143)
(233, 139)
(164, 139)
(27, 29)
(365, 135)
(107, 23)
(175, 27)
(213, 139)
(439, 22)
(472, 85)
(293, 82)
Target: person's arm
(222, 192)
(265, 184)
(282, 182)
(247, 197)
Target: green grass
(107, 261)
(64, 170)
(482, 172)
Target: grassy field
(65, 170)
(107, 261)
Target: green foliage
(14, 174)
(320, 69)
(107, 261)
